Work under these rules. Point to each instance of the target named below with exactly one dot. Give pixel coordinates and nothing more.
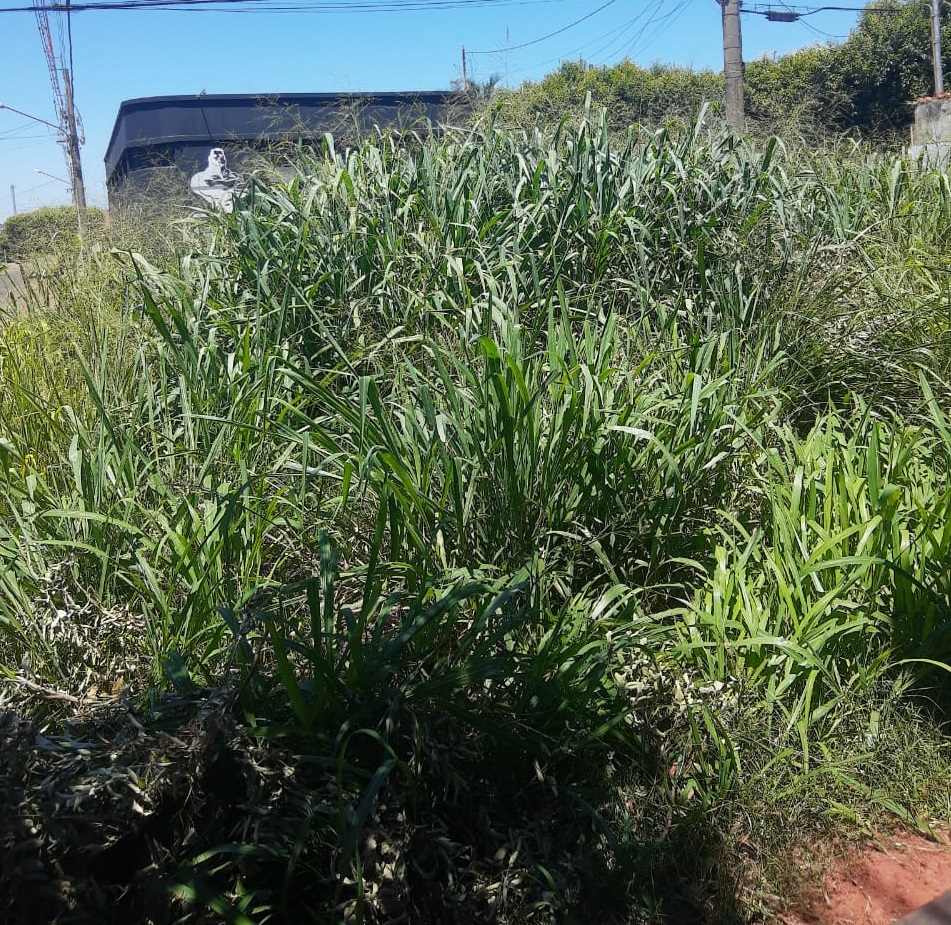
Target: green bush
(593, 471)
(863, 87)
(43, 231)
(630, 94)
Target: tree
(631, 94)
(794, 92)
(864, 86)
(478, 90)
(885, 64)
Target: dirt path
(10, 279)
(880, 884)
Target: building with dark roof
(167, 138)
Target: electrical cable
(652, 11)
(13, 133)
(799, 12)
(821, 32)
(69, 33)
(29, 147)
(32, 189)
(570, 55)
(614, 38)
(617, 35)
(544, 38)
(662, 22)
(316, 6)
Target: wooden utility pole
(64, 97)
(733, 65)
(72, 147)
(465, 72)
(936, 47)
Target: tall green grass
(614, 464)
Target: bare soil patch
(878, 884)
(10, 280)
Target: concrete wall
(931, 133)
(932, 122)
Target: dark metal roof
(163, 120)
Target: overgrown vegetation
(48, 230)
(530, 527)
(863, 87)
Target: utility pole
(73, 139)
(936, 46)
(64, 97)
(13, 196)
(72, 147)
(465, 72)
(733, 65)
(507, 43)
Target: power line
(618, 39)
(654, 15)
(607, 40)
(791, 14)
(798, 11)
(664, 19)
(544, 38)
(17, 132)
(661, 22)
(610, 37)
(320, 6)
(34, 142)
(822, 33)
(31, 189)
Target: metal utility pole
(936, 46)
(13, 196)
(733, 65)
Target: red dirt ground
(878, 884)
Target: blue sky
(124, 54)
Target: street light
(51, 176)
(66, 136)
(20, 112)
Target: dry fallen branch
(48, 692)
